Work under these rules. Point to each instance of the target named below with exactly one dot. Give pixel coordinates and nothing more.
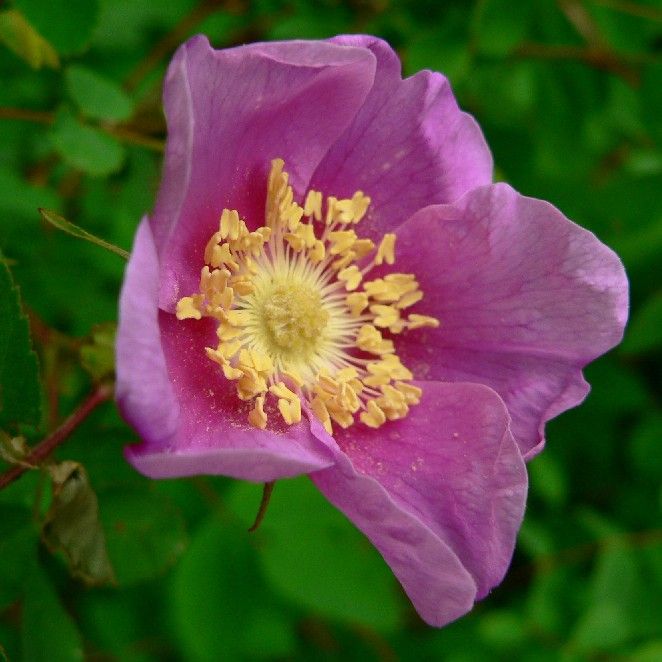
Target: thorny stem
(100, 394)
(264, 503)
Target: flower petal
(185, 412)
(229, 114)
(440, 493)
(143, 390)
(525, 297)
(408, 147)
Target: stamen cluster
(297, 320)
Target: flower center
(297, 320)
(293, 317)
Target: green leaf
(72, 525)
(644, 446)
(625, 602)
(97, 354)
(314, 556)
(48, 631)
(85, 148)
(502, 630)
(20, 396)
(21, 38)
(145, 533)
(63, 224)
(648, 652)
(548, 480)
(220, 571)
(645, 331)
(67, 24)
(98, 97)
(501, 25)
(18, 548)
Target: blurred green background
(569, 95)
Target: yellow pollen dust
(300, 325)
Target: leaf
(145, 533)
(98, 97)
(97, 354)
(85, 148)
(548, 480)
(220, 571)
(314, 556)
(48, 631)
(645, 331)
(72, 525)
(21, 38)
(67, 24)
(18, 548)
(20, 394)
(63, 224)
(625, 602)
(644, 446)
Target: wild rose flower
(330, 284)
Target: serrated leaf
(49, 634)
(63, 224)
(72, 525)
(85, 148)
(97, 96)
(67, 24)
(20, 396)
(21, 38)
(98, 353)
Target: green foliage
(84, 147)
(339, 573)
(20, 396)
(568, 95)
(97, 97)
(67, 24)
(48, 632)
(18, 35)
(63, 224)
(145, 533)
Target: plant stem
(100, 394)
(264, 503)
(122, 133)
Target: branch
(122, 133)
(100, 394)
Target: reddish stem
(100, 394)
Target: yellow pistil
(297, 321)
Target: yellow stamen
(386, 250)
(257, 417)
(291, 323)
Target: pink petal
(408, 147)
(187, 414)
(525, 297)
(440, 493)
(143, 390)
(229, 114)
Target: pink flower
(425, 321)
